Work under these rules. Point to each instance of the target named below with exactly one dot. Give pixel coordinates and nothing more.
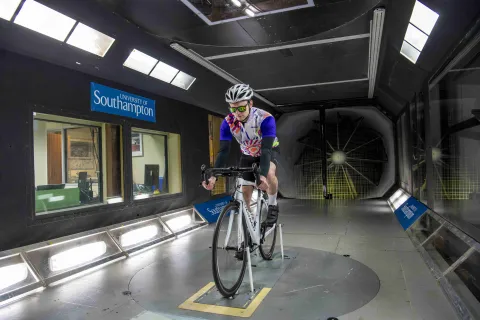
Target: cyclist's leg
(272, 191)
(247, 162)
(272, 184)
(247, 196)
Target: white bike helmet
(238, 92)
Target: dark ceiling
(151, 25)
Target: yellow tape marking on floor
(190, 304)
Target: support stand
(250, 261)
(281, 240)
(250, 269)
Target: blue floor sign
(409, 212)
(211, 210)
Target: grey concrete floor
(367, 231)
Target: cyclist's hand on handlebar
(263, 183)
(211, 183)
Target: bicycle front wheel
(229, 255)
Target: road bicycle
(235, 224)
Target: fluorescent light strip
(8, 8)
(91, 40)
(249, 12)
(374, 48)
(237, 3)
(140, 62)
(288, 46)
(212, 67)
(44, 20)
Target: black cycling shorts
(248, 161)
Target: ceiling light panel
(183, 80)
(140, 62)
(410, 52)
(91, 40)
(8, 8)
(416, 37)
(423, 17)
(164, 72)
(44, 20)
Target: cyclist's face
(240, 109)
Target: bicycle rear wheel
(268, 235)
(229, 255)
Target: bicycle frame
(253, 223)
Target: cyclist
(255, 131)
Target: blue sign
(121, 103)
(211, 210)
(409, 212)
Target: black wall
(28, 85)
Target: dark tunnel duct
(292, 126)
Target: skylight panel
(164, 72)
(410, 52)
(140, 62)
(183, 80)
(8, 8)
(90, 40)
(42, 19)
(423, 17)
(416, 37)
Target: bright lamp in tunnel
(12, 274)
(179, 223)
(237, 3)
(8, 8)
(249, 12)
(396, 195)
(137, 236)
(400, 201)
(77, 256)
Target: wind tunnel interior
(367, 100)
